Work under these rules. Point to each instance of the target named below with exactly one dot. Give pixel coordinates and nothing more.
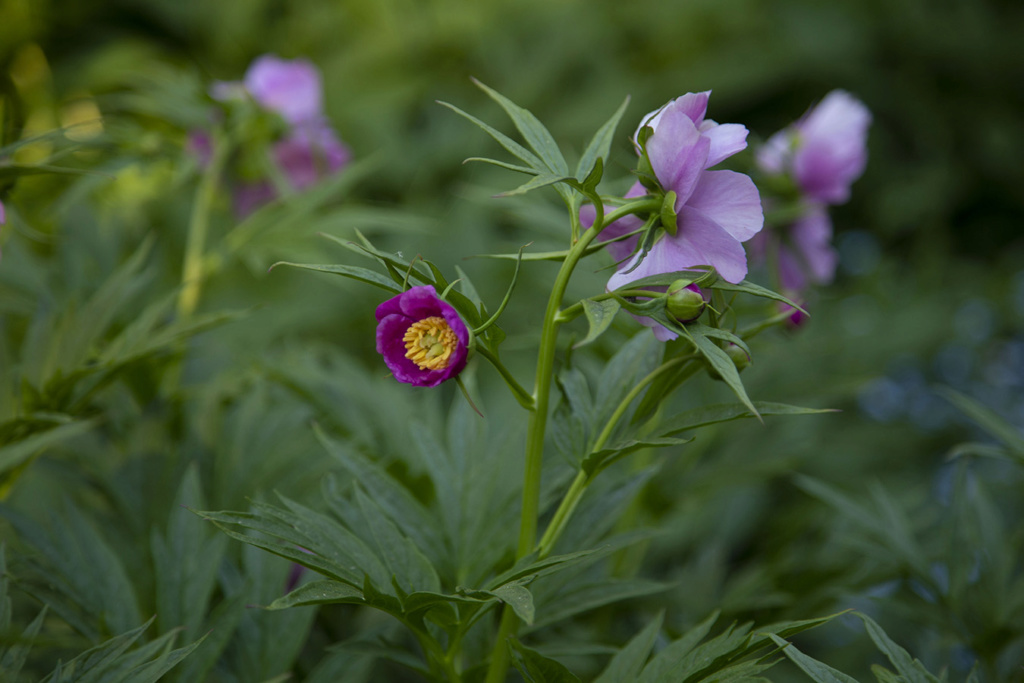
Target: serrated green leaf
(319, 593)
(627, 662)
(405, 561)
(819, 672)
(352, 272)
(600, 315)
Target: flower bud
(738, 356)
(685, 301)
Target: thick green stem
(199, 223)
(537, 426)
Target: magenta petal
(397, 314)
(678, 154)
(726, 139)
(731, 200)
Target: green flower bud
(739, 358)
(685, 301)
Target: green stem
(583, 478)
(199, 223)
(537, 426)
(524, 397)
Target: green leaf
(986, 419)
(595, 462)
(747, 287)
(320, 593)
(538, 181)
(519, 598)
(600, 315)
(726, 412)
(627, 662)
(600, 144)
(403, 558)
(351, 272)
(583, 597)
(819, 672)
(674, 654)
(508, 143)
(723, 365)
(504, 164)
(532, 130)
(536, 668)
(14, 454)
(909, 668)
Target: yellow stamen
(429, 343)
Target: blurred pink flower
(309, 150)
(823, 153)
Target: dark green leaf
(319, 593)
(536, 668)
(351, 272)
(819, 672)
(627, 662)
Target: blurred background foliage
(115, 412)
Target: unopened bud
(738, 356)
(685, 301)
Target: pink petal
(678, 154)
(699, 242)
(726, 139)
(812, 236)
(731, 200)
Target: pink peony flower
(422, 338)
(716, 210)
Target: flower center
(429, 343)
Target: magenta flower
(422, 338)
(3, 215)
(824, 152)
(716, 210)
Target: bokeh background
(929, 294)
